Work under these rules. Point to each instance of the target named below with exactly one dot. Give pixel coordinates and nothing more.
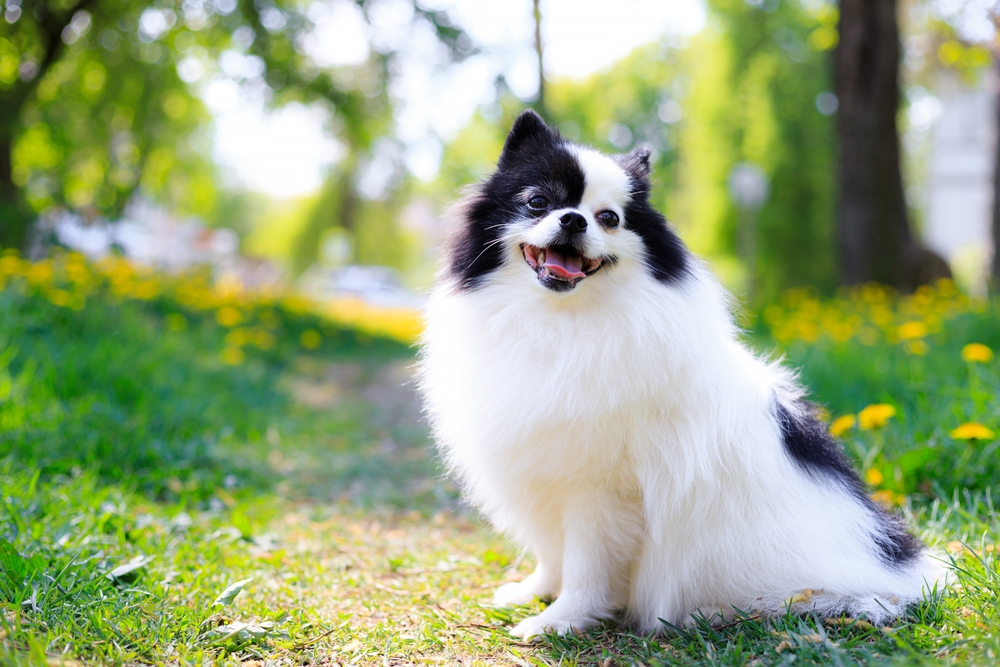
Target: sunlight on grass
(193, 474)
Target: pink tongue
(562, 266)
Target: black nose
(573, 222)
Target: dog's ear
(528, 128)
(636, 164)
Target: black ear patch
(529, 128)
(636, 164)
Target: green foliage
(934, 393)
(641, 94)
(147, 391)
(99, 131)
(755, 76)
(100, 111)
(95, 107)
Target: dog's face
(565, 213)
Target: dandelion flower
(957, 548)
(237, 337)
(912, 330)
(233, 356)
(875, 416)
(842, 425)
(263, 338)
(874, 476)
(888, 498)
(228, 316)
(311, 339)
(972, 431)
(917, 347)
(977, 352)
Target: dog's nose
(573, 222)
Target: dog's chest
(579, 382)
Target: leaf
(227, 596)
(12, 562)
(124, 572)
(915, 459)
(241, 632)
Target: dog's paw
(513, 594)
(535, 626)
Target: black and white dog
(586, 383)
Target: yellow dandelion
(972, 431)
(868, 336)
(874, 476)
(842, 332)
(875, 416)
(311, 339)
(888, 498)
(956, 548)
(237, 337)
(263, 339)
(60, 298)
(146, 290)
(917, 348)
(228, 316)
(233, 356)
(912, 330)
(977, 352)
(842, 425)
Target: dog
(586, 384)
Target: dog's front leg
(545, 542)
(599, 533)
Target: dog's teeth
(541, 256)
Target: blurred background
(315, 144)
(219, 220)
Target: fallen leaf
(227, 596)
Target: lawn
(191, 474)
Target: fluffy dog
(586, 384)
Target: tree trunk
(15, 214)
(873, 230)
(539, 104)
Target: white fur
(624, 435)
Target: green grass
(141, 477)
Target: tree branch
(52, 27)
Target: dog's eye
(538, 203)
(608, 218)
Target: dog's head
(564, 212)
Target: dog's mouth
(559, 267)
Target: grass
(166, 500)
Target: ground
(189, 479)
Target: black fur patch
(666, 256)
(810, 445)
(534, 156)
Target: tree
(49, 42)
(759, 82)
(539, 104)
(873, 230)
(994, 277)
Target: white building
(960, 180)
